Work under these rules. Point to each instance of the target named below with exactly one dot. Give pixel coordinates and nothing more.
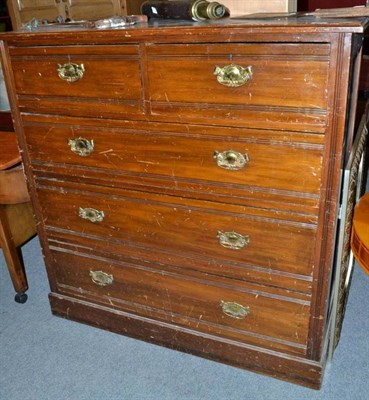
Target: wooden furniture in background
(24, 11)
(187, 180)
(360, 233)
(17, 223)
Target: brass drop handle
(70, 72)
(233, 240)
(91, 214)
(81, 146)
(231, 160)
(233, 75)
(101, 278)
(234, 310)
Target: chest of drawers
(186, 180)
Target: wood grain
(156, 114)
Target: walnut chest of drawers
(186, 180)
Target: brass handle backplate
(91, 214)
(70, 72)
(234, 310)
(101, 278)
(231, 160)
(81, 146)
(233, 75)
(233, 240)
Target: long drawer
(216, 307)
(236, 158)
(273, 86)
(78, 80)
(220, 234)
(298, 286)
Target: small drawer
(222, 157)
(215, 307)
(273, 86)
(218, 235)
(78, 80)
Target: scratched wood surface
(150, 104)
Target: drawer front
(78, 80)
(219, 233)
(213, 307)
(286, 83)
(217, 156)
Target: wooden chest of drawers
(186, 180)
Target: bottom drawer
(211, 306)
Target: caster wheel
(20, 298)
